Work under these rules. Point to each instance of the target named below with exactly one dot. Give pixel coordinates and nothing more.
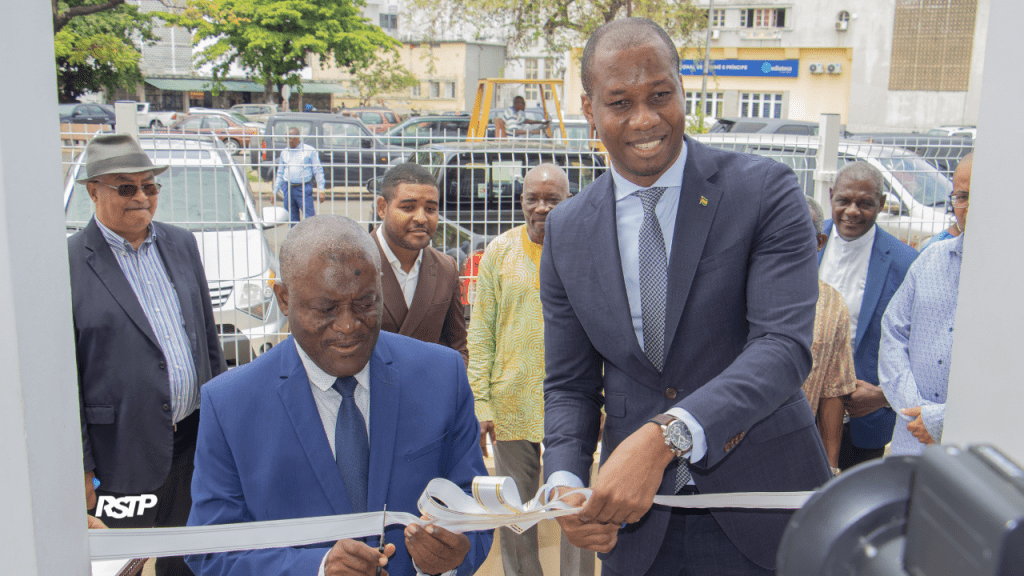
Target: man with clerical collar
(422, 296)
(866, 265)
(145, 337)
(339, 418)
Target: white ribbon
(494, 503)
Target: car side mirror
(274, 215)
(373, 185)
(894, 207)
(366, 143)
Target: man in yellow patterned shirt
(506, 363)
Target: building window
(763, 18)
(550, 71)
(531, 72)
(389, 21)
(717, 18)
(414, 90)
(932, 44)
(757, 105)
(712, 104)
(449, 89)
(435, 89)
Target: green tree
(382, 76)
(271, 39)
(95, 45)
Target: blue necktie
(351, 445)
(653, 290)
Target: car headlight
(255, 295)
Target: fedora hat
(116, 154)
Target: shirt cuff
(565, 478)
(700, 441)
(323, 563)
(422, 573)
(933, 417)
(483, 411)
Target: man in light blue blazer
(866, 265)
(285, 436)
(699, 369)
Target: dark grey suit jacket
(127, 432)
(742, 288)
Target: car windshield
(924, 182)
(197, 198)
(66, 109)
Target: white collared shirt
(406, 280)
(844, 266)
(328, 400)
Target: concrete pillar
(42, 480)
(828, 157)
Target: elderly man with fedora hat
(145, 340)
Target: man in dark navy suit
(679, 291)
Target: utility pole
(707, 65)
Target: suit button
(162, 365)
(166, 407)
(670, 393)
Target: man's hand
(95, 522)
(590, 536)
(351, 557)
(627, 482)
(90, 491)
(865, 399)
(434, 549)
(487, 429)
(323, 196)
(916, 426)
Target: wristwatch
(676, 434)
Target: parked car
(962, 131)
(943, 152)
(350, 154)
(86, 114)
(205, 191)
(233, 133)
(422, 130)
(378, 120)
(916, 192)
(230, 114)
(765, 126)
(256, 112)
(148, 118)
(481, 182)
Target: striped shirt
(148, 278)
(298, 166)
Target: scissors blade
(384, 526)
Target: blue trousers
(299, 198)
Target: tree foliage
(564, 24)
(95, 45)
(383, 75)
(271, 39)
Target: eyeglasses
(130, 190)
(959, 199)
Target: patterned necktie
(351, 445)
(653, 289)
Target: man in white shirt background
(297, 166)
(866, 265)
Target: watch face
(679, 436)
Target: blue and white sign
(756, 68)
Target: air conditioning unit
(715, 34)
(817, 68)
(841, 26)
(835, 68)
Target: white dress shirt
(629, 216)
(844, 266)
(406, 280)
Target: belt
(299, 184)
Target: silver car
(205, 191)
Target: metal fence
(226, 197)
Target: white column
(986, 384)
(828, 157)
(41, 451)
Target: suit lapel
(394, 300)
(101, 260)
(309, 429)
(426, 284)
(174, 262)
(384, 397)
(827, 231)
(604, 252)
(878, 270)
(698, 201)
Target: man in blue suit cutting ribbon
(340, 418)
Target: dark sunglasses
(130, 190)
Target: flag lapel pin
(703, 201)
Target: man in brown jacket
(421, 286)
